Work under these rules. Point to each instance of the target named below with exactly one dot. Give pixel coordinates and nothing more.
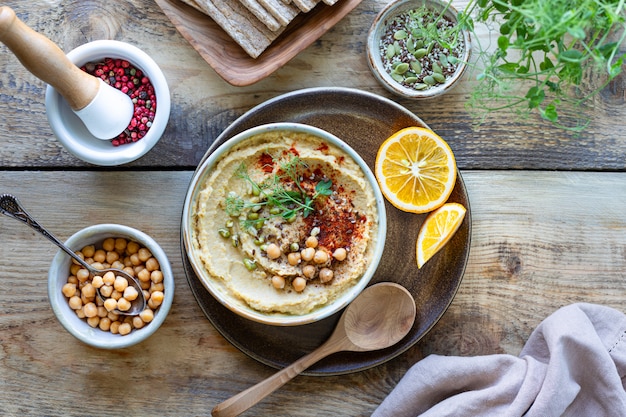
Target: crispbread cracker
(262, 14)
(244, 27)
(284, 13)
(252, 35)
(305, 5)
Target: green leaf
(509, 67)
(505, 28)
(606, 50)
(502, 7)
(546, 64)
(550, 113)
(576, 32)
(503, 43)
(554, 87)
(616, 68)
(571, 55)
(535, 97)
(324, 187)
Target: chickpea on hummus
(285, 222)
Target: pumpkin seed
(420, 53)
(410, 46)
(437, 68)
(400, 34)
(443, 59)
(391, 51)
(420, 86)
(430, 80)
(440, 78)
(249, 264)
(397, 47)
(402, 68)
(410, 80)
(416, 66)
(419, 43)
(397, 77)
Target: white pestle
(105, 110)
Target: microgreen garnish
(282, 192)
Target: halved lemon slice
(437, 230)
(416, 170)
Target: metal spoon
(10, 206)
(378, 318)
(104, 109)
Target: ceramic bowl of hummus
(284, 224)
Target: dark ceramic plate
(364, 121)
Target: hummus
(285, 222)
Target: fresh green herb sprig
(545, 49)
(273, 193)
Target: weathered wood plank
(204, 104)
(540, 240)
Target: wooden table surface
(549, 225)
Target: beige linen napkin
(573, 364)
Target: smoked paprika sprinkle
(121, 74)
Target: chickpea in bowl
(93, 320)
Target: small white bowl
(71, 131)
(59, 272)
(232, 302)
(375, 61)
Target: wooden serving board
(230, 61)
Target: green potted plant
(550, 56)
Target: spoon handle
(239, 403)
(10, 206)
(44, 59)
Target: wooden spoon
(104, 110)
(378, 318)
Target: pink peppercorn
(122, 75)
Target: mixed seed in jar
(120, 253)
(421, 48)
(130, 80)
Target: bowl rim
(82, 143)
(78, 327)
(279, 319)
(375, 62)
